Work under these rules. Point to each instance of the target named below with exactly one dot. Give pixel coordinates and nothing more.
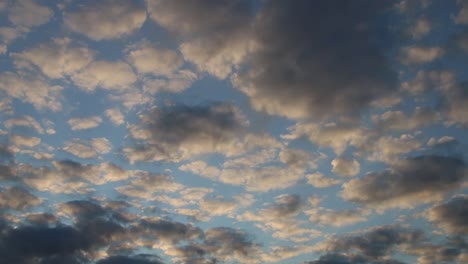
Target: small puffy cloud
(72, 177)
(328, 217)
(462, 16)
(88, 149)
(390, 149)
(420, 55)
(299, 67)
(152, 60)
(110, 75)
(345, 167)
(146, 184)
(84, 123)
(108, 19)
(451, 215)
(24, 121)
(399, 121)
(318, 180)
(57, 59)
(429, 80)
(280, 218)
(115, 116)
(24, 141)
(17, 198)
(420, 28)
(337, 136)
(407, 183)
(31, 90)
(27, 13)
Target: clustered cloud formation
(372, 123)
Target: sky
(233, 131)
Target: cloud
(139, 259)
(455, 104)
(115, 76)
(24, 121)
(109, 19)
(327, 217)
(57, 59)
(462, 16)
(27, 13)
(451, 215)
(17, 198)
(146, 184)
(181, 132)
(407, 183)
(71, 177)
(152, 60)
(24, 141)
(229, 244)
(420, 55)
(32, 90)
(88, 149)
(336, 258)
(279, 217)
(420, 28)
(337, 136)
(345, 167)
(84, 123)
(318, 180)
(115, 116)
(399, 121)
(375, 243)
(214, 43)
(428, 80)
(301, 68)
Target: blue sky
(233, 131)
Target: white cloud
(115, 116)
(24, 141)
(420, 55)
(328, 217)
(88, 149)
(116, 75)
(84, 123)
(31, 90)
(345, 167)
(106, 19)
(152, 60)
(24, 121)
(318, 180)
(57, 59)
(27, 13)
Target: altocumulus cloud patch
(233, 131)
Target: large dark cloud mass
(317, 58)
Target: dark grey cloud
(139, 259)
(317, 58)
(176, 132)
(286, 205)
(349, 259)
(374, 245)
(452, 216)
(408, 182)
(166, 230)
(225, 243)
